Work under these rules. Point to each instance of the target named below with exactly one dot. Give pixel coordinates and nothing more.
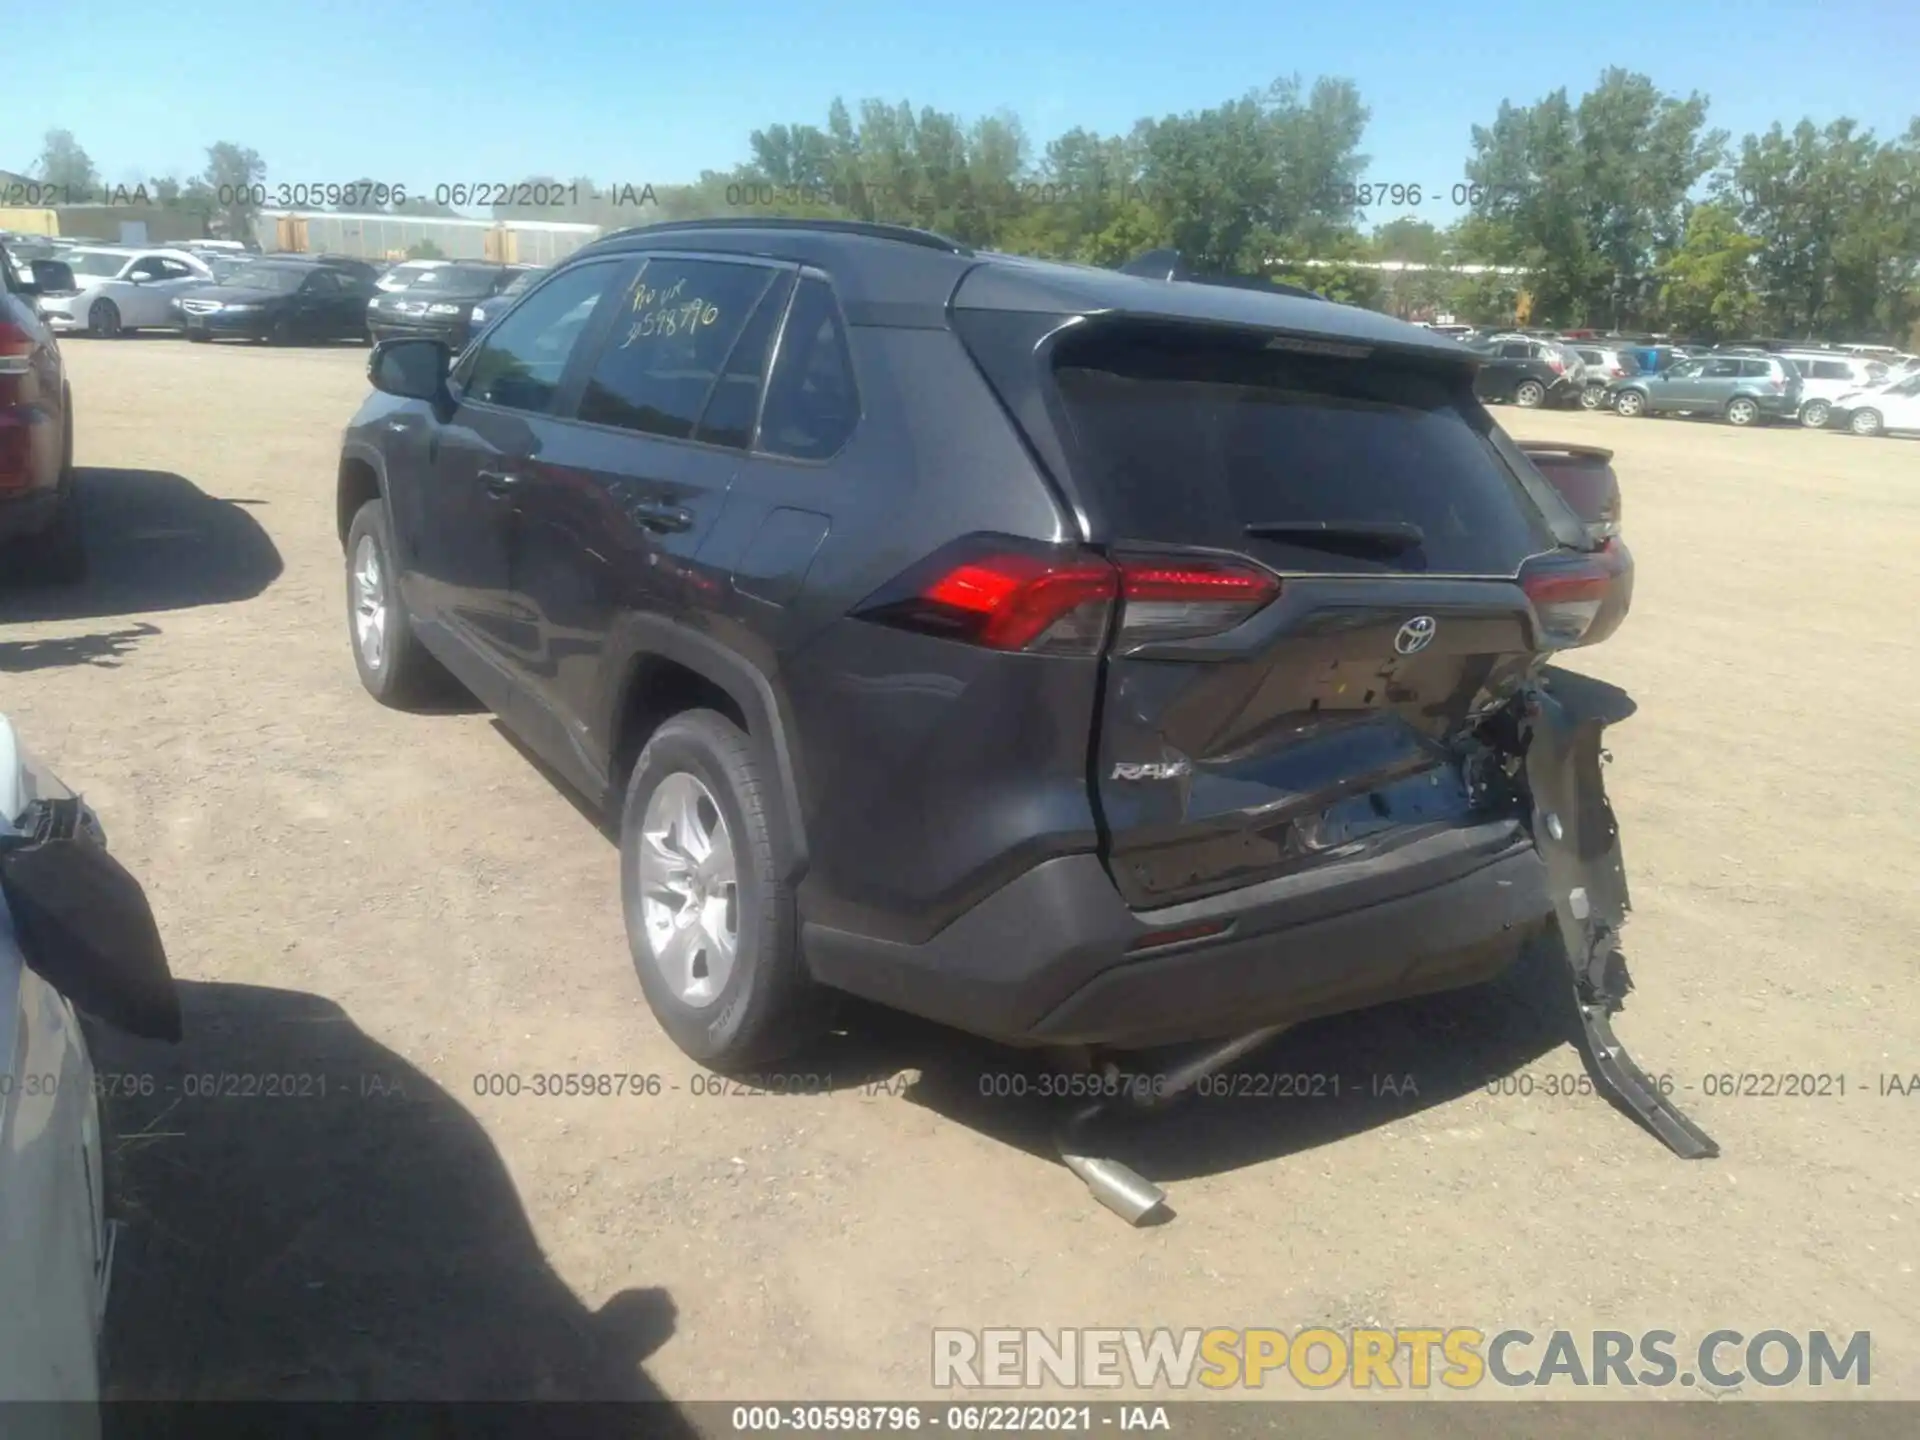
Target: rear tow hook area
(1579, 840)
(1120, 1188)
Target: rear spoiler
(1169, 265)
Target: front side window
(521, 361)
(666, 352)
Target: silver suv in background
(1830, 374)
(1605, 364)
(1740, 389)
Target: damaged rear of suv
(1086, 660)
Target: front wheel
(1528, 394)
(103, 319)
(1741, 411)
(1865, 422)
(1594, 397)
(711, 927)
(394, 666)
(1815, 414)
(1631, 403)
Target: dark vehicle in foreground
(1529, 372)
(496, 305)
(1740, 389)
(1088, 661)
(279, 301)
(440, 304)
(40, 530)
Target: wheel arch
(358, 480)
(656, 669)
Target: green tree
(425, 250)
(233, 177)
(64, 163)
(1706, 286)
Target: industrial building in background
(401, 237)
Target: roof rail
(872, 229)
(1169, 264)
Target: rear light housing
(16, 451)
(1568, 590)
(1021, 596)
(16, 351)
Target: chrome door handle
(659, 516)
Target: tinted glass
(1721, 369)
(522, 359)
(1190, 437)
(664, 354)
(1515, 351)
(282, 279)
(735, 400)
(459, 280)
(812, 401)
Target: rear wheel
(1815, 413)
(1528, 394)
(103, 319)
(1742, 411)
(1631, 403)
(1865, 422)
(712, 930)
(1593, 397)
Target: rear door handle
(499, 483)
(659, 516)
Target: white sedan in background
(55, 1244)
(122, 288)
(400, 276)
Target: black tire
(1864, 422)
(103, 320)
(60, 553)
(405, 674)
(1632, 404)
(1593, 397)
(769, 1007)
(1742, 412)
(1529, 394)
(1815, 414)
(198, 337)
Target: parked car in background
(1890, 407)
(440, 303)
(40, 529)
(400, 276)
(364, 272)
(284, 302)
(1605, 364)
(121, 289)
(1828, 375)
(1740, 389)
(1529, 372)
(677, 521)
(497, 305)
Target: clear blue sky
(424, 92)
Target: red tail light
(16, 350)
(1555, 364)
(1059, 600)
(1617, 371)
(1567, 592)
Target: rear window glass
(1192, 438)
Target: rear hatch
(1332, 563)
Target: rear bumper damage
(1547, 743)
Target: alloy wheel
(689, 890)
(369, 604)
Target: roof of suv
(906, 277)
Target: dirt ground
(394, 906)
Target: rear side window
(664, 354)
(1829, 370)
(1518, 350)
(812, 402)
(1759, 369)
(1190, 437)
(728, 419)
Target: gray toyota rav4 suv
(1077, 658)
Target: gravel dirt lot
(391, 906)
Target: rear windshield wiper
(1371, 537)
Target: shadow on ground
(155, 541)
(352, 1237)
